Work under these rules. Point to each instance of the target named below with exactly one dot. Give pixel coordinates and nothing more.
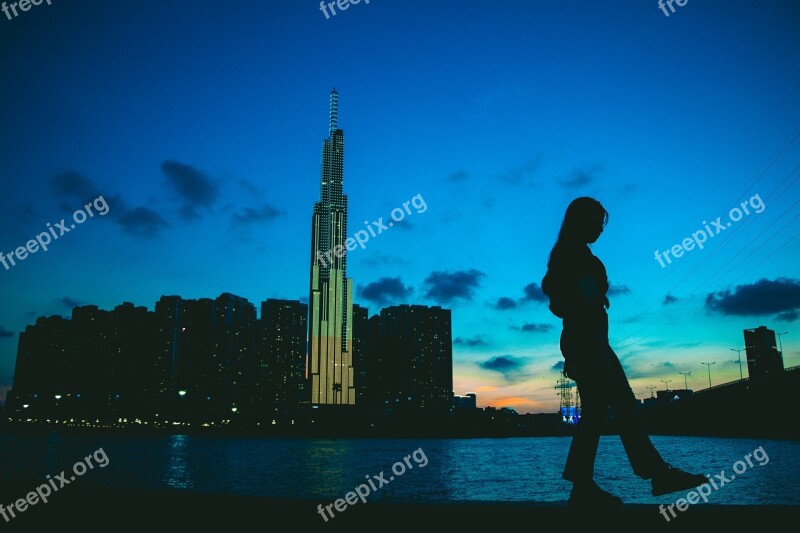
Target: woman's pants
(602, 384)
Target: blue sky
(201, 126)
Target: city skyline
(257, 367)
(203, 140)
(206, 360)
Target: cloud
(533, 293)
(474, 341)
(617, 290)
(445, 287)
(457, 177)
(196, 190)
(788, 316)
(512, 368)
(764, 297)
(139, 221)
(503, 303)
(558, 366)
(250, 215)
(73, 185)
(502, 363)
(534, 328)
(404, 225)
(669, 299)
(69, 303)
(385, 291)
(5, 334)
(581, 177)
(516, 175)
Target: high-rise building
(363, 354)
(44, 358)
(416, 358)
(331, 296)
(284, 325)
(235, 359)
(171, 312)
(208, 356)
(188, 359)
(763, 357)
(187, 334)
(132, 360)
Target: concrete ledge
(93, 508)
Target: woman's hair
(582, 215)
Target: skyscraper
(763, 357)
(331, 296)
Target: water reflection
(176, 473)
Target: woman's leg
(644, 457)
(583, 449)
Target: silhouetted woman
(576, 284)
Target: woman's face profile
(584, 221)
(594, 228)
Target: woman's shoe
(674, 480)
(590, 495)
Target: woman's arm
(591, 293)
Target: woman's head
(583, 222)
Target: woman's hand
(589, 289)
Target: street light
(685, 382)
(651, 391)
(739, 351)
(709, 371)
(780, 341)
(666, 384)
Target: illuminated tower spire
(334, 113)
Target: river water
(450, 470)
